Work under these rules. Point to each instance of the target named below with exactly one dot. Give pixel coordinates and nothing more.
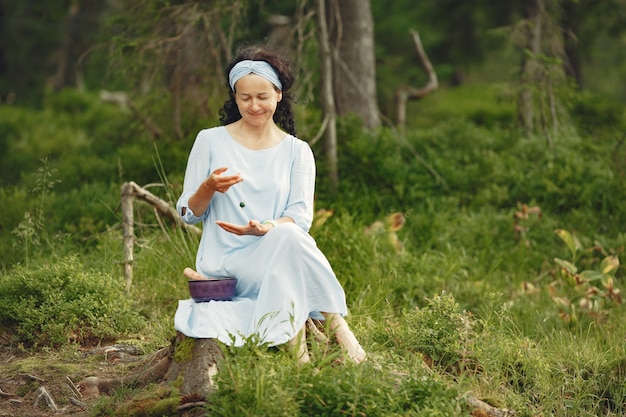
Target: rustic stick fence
(130, 191)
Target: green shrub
(254, 381)
(61, 302)
(440, 331)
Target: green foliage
(477, 167)
(526, 323)
(62, 301)
(254, 381)
(566, 372)
(73, 160)
(153, 401)
(597, 115)
(592, 291)
(484, 104)
(441, 331)
(459, 181)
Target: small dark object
(191, 398)
(212, 289)
(242, 204)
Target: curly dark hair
(283, 116)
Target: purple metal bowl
(202, 290)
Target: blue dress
(283, 277)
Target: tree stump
(188, 363)
(194, 365)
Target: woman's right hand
(199, 202)
(217, 182)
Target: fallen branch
(482, 409)
(74, 388)
(45, 395)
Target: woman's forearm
(199, 202)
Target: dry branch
(129, 192)
(43, 394)
(482, 409)
(405, 93)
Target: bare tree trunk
(128, 232)
(533, 15)
(570, 25)
(328, 101)
(351, 30)
(66, 54)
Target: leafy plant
(29, 230)
(591, 291)
(440, 331)
(62, 302)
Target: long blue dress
(283, 277)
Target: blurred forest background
(471, 183)
(536, 65)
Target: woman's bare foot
(191, 274)
(345, 337)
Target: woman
(252, 185)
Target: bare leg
(345, 337)
(191, 274)
(298, 346)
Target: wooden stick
(45, 395)
(130, 191)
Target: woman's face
(256, 99)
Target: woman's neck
(255, 137)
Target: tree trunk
(191, 363)
(570, 26)
(66, 54)
(351, 30)
(533, 16)
(328, 101)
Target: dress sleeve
(300, 201)
(198, 169)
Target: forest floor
(44, 383)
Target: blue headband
(261, 68)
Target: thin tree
(351, 33)
(328, 100)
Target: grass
(468, 297)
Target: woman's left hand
(254, 227)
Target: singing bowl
(213, 289)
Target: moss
(178, 382)
(184, 348)
(155, 401)
(26, 389)
(164, 407)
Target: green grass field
(502, 284)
